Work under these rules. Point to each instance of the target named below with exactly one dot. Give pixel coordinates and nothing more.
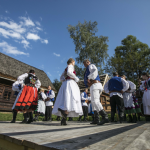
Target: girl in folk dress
(146, 96)
(130, 103)
(68, 102)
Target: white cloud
(32, 36)
(39, 28)
(11, 50)
(49, 74)
(27, 21)
(38, 23)
(6, 11)
(58, 55)
(13, 26)
(25, 43)
(10, 33)
(45, 41)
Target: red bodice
(67, 77)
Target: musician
(146, 96)
(49, 103)
(116, 86)
(84, 101)
(91, 79)
(131, 107)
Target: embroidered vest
(66, 76)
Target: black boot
(25, 118)
(63, 121)
(84, 119)
(14, 117)
(121, 117)
(134, 119)
(96, 121)
(31, 118)
(139, 119)
(130, 119)
(125, 119)
(58, 118)
(93, 118)
(80, 118)
(104, 117)
(63, 113)
(70, 119)
(112, 116)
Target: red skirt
(28, 99)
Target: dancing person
(92, 80)
(68, 102)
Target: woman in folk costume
(27, 98)
(131, 107)
(41, 102)
(146, 96)
(68, 102)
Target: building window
(7, 95)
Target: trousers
(48, 112)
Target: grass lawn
(7, 116)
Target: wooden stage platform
(76, 135)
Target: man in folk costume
(68, 102)
(84, 101)
(91, 79)
(28, 96)
(116, 86)
(145, 86)
(129, 103)
(49, 103)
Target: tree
(80, 72)
(57, 84)
(131, 59)
(87, 44)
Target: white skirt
(128, 100)
(41, 106)
(68, 98)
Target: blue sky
(35, 32)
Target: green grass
(8, 117)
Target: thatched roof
(104, 78)
(11, 68)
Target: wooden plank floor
(78, 135)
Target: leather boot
(121, 117)
(63, 121)
(25, 118)
(104, 117)
(80, 118)
(130, 119)
(134, 119)
(125, 119)
(63, 113)
(96, 121)
(14, 117)
(112, 116)
(31, 118)
(139, 119)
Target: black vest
(40, 96)
(30, 80)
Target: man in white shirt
(116, 86)
(49, 103)
(92, 80)
(84, 99)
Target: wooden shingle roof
(11, 68)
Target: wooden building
(105, 99)
(10, 69)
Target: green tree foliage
(57, 84)
(79, 72)
(130, 59)
(87, 44)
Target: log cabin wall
(7, 96)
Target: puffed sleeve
(93, 72)
(125, 85)
(22, 77)
(71, 74)
(38, 84)
(132, 86)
